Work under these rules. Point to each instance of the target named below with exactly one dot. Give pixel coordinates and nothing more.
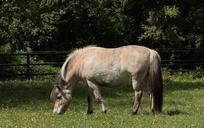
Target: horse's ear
(64, 82)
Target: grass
(26, 104)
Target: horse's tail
(156, 82)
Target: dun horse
(110, 67)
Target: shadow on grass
(169, 113)
(175, 112)
(17, 93)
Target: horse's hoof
(104, 111)
(154, 111)
(134, 113)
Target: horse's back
(124, 56)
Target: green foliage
(161, 26)
(43, 69)
(174, 24)
(180, 74)
(93, 21)
(5, 48)
(46, 24)
(61, 24)
(24, 24)
(66, 24)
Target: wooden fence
(56, 59)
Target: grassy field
(26, 104)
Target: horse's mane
(70, 56)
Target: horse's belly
(112, 79)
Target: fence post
(28, 73)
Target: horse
(110, 67)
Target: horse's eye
(59, 97)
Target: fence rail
(29, 62)
(57, 58)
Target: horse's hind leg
(138, 95)
(97, 95)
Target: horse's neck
(74, 68)
(71, 77)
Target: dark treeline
(39, 25)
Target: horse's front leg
(97, 95)
(90, 101)
(138, 96)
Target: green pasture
(25, 104)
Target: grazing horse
(110, 67)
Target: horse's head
(61, 97)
